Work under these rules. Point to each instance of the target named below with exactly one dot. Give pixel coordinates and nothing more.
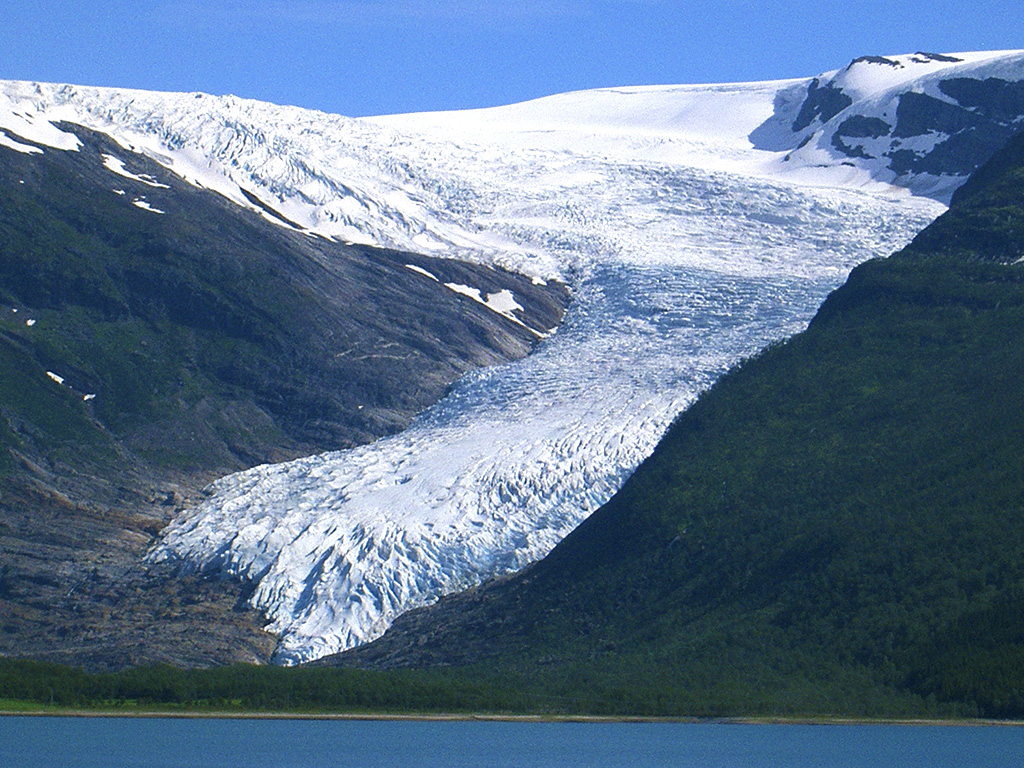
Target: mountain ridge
(686, 249)
(834, 527)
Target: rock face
(901, 118)
(694, 224)
(155, 335)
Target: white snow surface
(686, 249)
(17, 146)
(144, 205)
(116, 165)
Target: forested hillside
(155, 335)
(837, 526)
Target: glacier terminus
(694, 225)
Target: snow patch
(504, 303)
(17, 146)
(116, 165)
(429, 243)
(144, 205)
(422, 271)
(23, 114)
(465, 290)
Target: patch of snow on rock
(144, 205)
(116, 165)
(17, 146)
(423, 272)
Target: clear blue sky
(364, 57)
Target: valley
(693, 226)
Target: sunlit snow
(17, 146)
(144, 205)
(423, 272)
(116, 165)
(685, 249)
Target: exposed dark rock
(923, 57)
(859, 127)
(848, 149)
(957, 155)
(993, 98)
(972, 136)
(822, 104)
(190, 344)
(876, 60)
(864, 127)
(918, 114)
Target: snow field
(686, 249)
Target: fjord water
(56, 742)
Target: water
(30, 742)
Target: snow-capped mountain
(694, 224)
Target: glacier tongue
(686, 249)
(492, 477)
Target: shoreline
(480, 717)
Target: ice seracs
(694, 224)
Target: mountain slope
(688, 247)
(890, 116)
(836, 526)
(154, 336)
(695, 225)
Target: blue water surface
(53, 742)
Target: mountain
(893, 118)
(694, 225)
(155, 335)
(834, 527)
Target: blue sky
(363, 57)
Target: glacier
(687, 246)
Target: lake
(100, 742)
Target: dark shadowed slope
(153, 336)
(837, 526)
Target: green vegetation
(605, 690)
(836, 528)
(156, 318)
(27, 685)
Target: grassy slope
(837, 526)
(212, 339)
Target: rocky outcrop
(153, 336)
